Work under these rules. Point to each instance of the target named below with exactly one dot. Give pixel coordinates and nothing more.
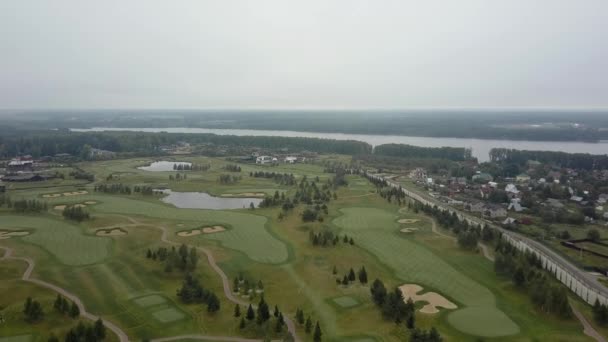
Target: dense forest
(409, 151)
(490, 124)
(48, 143)
(562, 159)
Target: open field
(113, 277)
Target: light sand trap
(408, 230)
(59, 207)
(51, 195)
(90, 202)
(214, 229)
(189, 233)
(407, 221)
(7, 235)
(110, 232)
(433, 299)
(75, 193)
(245, 194)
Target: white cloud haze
(303, 54)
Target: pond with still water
(202, 200)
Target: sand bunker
(51, 195)
(7, 235)
(214, 229)
(408, 230)
(245, 194)
(110, 232)
(189, 233)
(90, 202)
(433, 299)
(75, 193)
(407, 221)
(59, 207)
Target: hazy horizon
(313, 55)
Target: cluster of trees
(327, 238)
(526, 271)
(115, 188)
(576, 161)
(181, 258)
(309, 193)
(410, 151)
(5, 200)
(191, 167)
(228, 179)
(80, 174)
(232, 168)
(277, 199)
(193, 292)
(260, 315)
(84, 332)
(178, 177)
(28, 206)
(75, 213)
(394, 308)
(247, 286)
(350, 277)
(600, 313)
(143, 189)
(317, 334)
(280, 178)
(64, 307)
(32, 309)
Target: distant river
(481, 147)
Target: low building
(263, 160)
(291, 160)
(482, 177)
(20, 164)
(494, 211)
(522, 178)
(475, 207)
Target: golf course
(114, 262)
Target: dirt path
(291, 327)
(8, 255)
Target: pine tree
(363, 275)
(308, 325)
(237, 310)
(276, 311)
(100, 329)
(300, 316)
(242, 324)
(213, 303)
(345, 280)
(74, 310)
(250, 313)
(351, 275)
(263, 311)
(58, 304)
(345, 240)
(317, 335)
(53, 338)
(411, 321)
(351, 241)
(335, 270)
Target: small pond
(163, 166)
(202, 200)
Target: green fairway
(346, 301)
(168, 315)
(150, 300)
(375, 230)
(63, 240)
(19, 338)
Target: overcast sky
(303, 54)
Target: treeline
(410, 151)
(600, 313)
(191, 167)
(577, 161)
(280, 178)
(232, 168)
(394, 308)
(28, 206)
(327, 238)
(181, 259)
(228, 179)
(262, 316)
(351, 277)
(119, 188)
(84, 332)
(50, 142)
(192, 292)
(75, 213)
(80, 174)
(527, 273)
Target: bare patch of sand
(189, 233)
(407, 221)
(90, 202)
(9, 234)
(433, 299)
(51, 195)
(214, 229)
(110, 232)
(245, 194)
(408, 230)
(75, 193)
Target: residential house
(475, 207)
(509, 221)
(512, 191)
(554, 203)
(291, 160)
(516, 206)
(522, 178)
(482, 177)
(263, 160)
(494, 211)
(20, 164)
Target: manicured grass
(150, 300)
(374, 229)
(168, 315)
(63, 240)
(346, 301)
(18, 338)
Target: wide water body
(202, 200)
(481, 147)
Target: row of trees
(114, 188)
(28, 206)
(526, 271)
(228, 179)
(75, 213)
(192, 291)
(182, 258)
(280, 178)
(351, 277)
(64, 307)
(232, 168)
(600, 313)
(410, 151)
(191, 167)
(575, 161)
(327, 238)
(84, 332)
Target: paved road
(122, 336)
